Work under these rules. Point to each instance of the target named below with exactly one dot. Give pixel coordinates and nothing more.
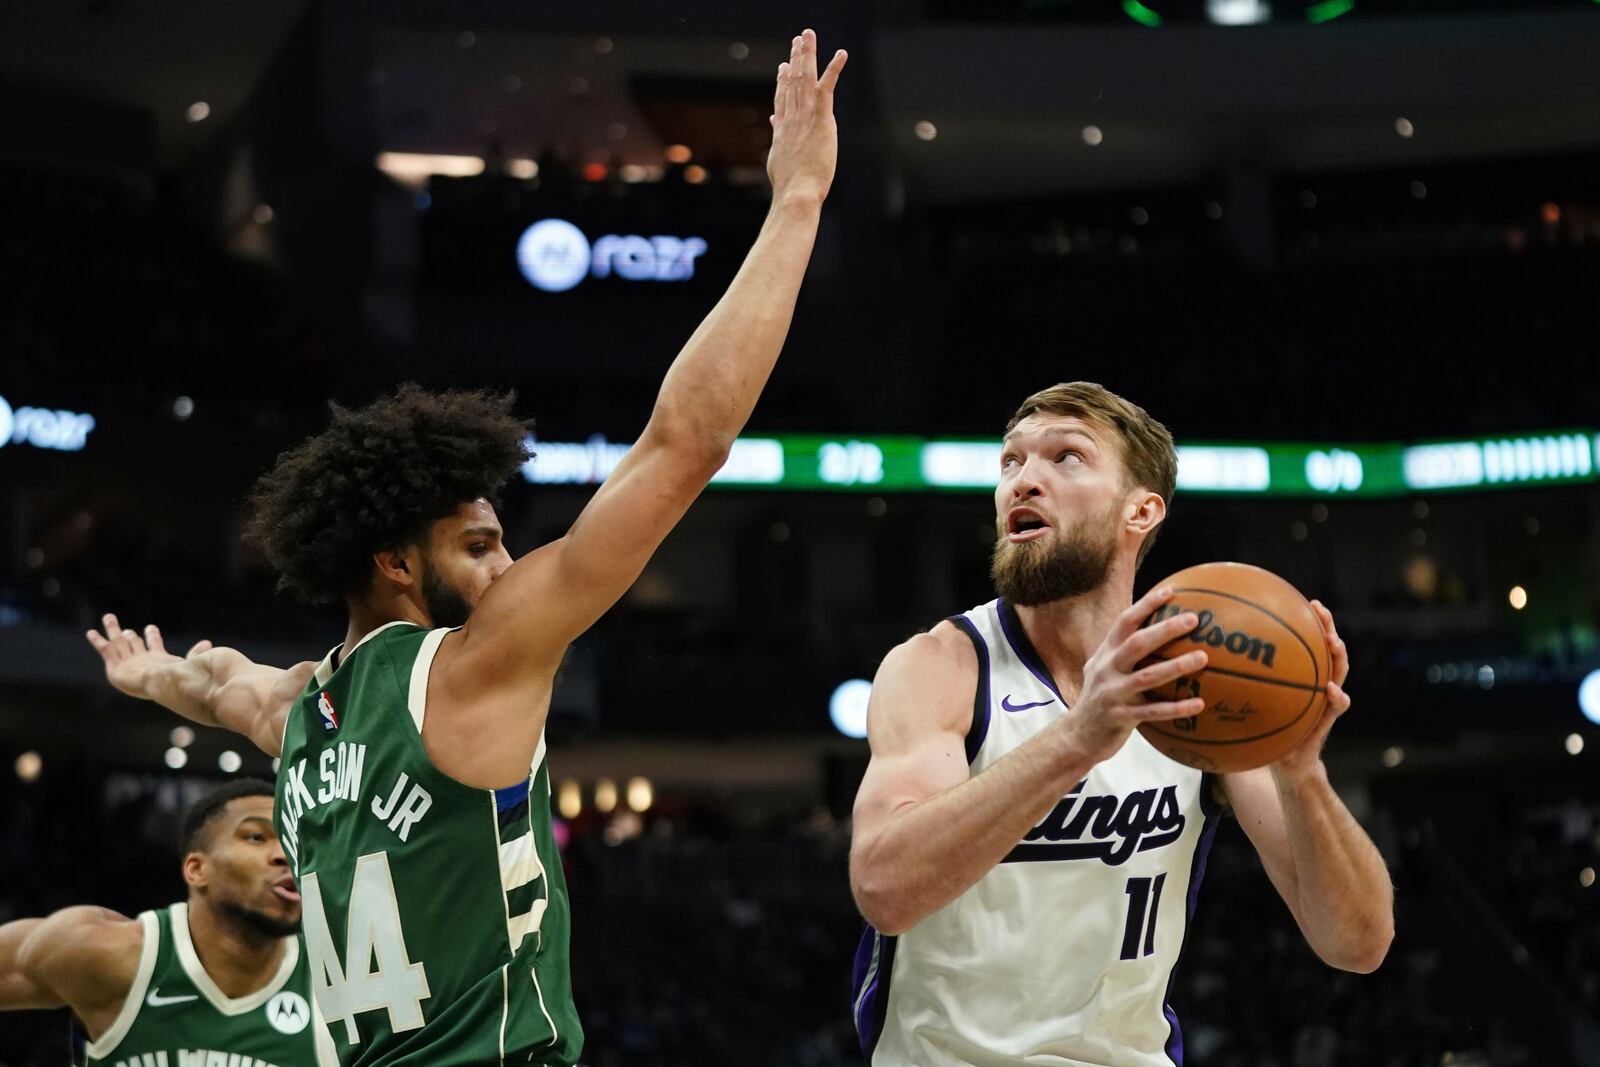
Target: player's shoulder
(941, 650)
(88, 940)
(93, 918)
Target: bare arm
(497, 669)
(83, 958)
(211, 686)
(1322, 863)
(925, 830)
(17, 989)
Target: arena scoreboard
(905, 464)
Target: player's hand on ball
(1112, 702)
(1307, 755)
(805, 139)
(128, 656)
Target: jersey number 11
(1144, 905)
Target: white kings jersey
(1064, 953)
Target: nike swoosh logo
(156, 1000)
(1005, 702)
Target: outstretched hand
(1308, 753)
(128, 656)
(805, 139)
(1117, 676)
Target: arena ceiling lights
(896, 464)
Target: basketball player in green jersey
(413, 797)
(219, 979)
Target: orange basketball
(1266, 678)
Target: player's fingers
(779, 99)
(1160, 710)
(1324, 616)
(808, 58)
(1143, 642)
(133, 641)
(1158, 674)
(791, 77)
(152, 638)
(203, 645)
(98, 642)
(1338, 699)
(806, 75)
(1338, 652)
(113, 628)
(830, 77)
(1136, 613)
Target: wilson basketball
(1266, 678)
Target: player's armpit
(82, 957)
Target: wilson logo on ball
(1207, 632)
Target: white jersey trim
(417, 696)
(326, 668)
(184, 945)
(107, 1043)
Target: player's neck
(240, 960)
(367, 615)
(1066, 632)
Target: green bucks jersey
(175, 1016)
(435, 914)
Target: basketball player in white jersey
(219, 975)
(1027, 863)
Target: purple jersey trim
(1197, 873)
(1210, 806)
(870, 1003)
(979, 730)
(1011, 626)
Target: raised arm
(211, 686)
(1322, 863)
(521, 628)
(83, 958)
(925, 830)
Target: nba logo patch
(330, 721)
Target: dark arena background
(1347, 250)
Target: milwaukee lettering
(191, 1057)
(1106, 828)
(1207, 632)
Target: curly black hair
(375, 480)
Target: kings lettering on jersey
(1105, 828)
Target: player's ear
(402, 568)
(195, 874)
(1145, 511)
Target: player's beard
(1064, 563)
(446, 606)
(260, 922)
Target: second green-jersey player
(425, 901)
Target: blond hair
(1149, 459)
